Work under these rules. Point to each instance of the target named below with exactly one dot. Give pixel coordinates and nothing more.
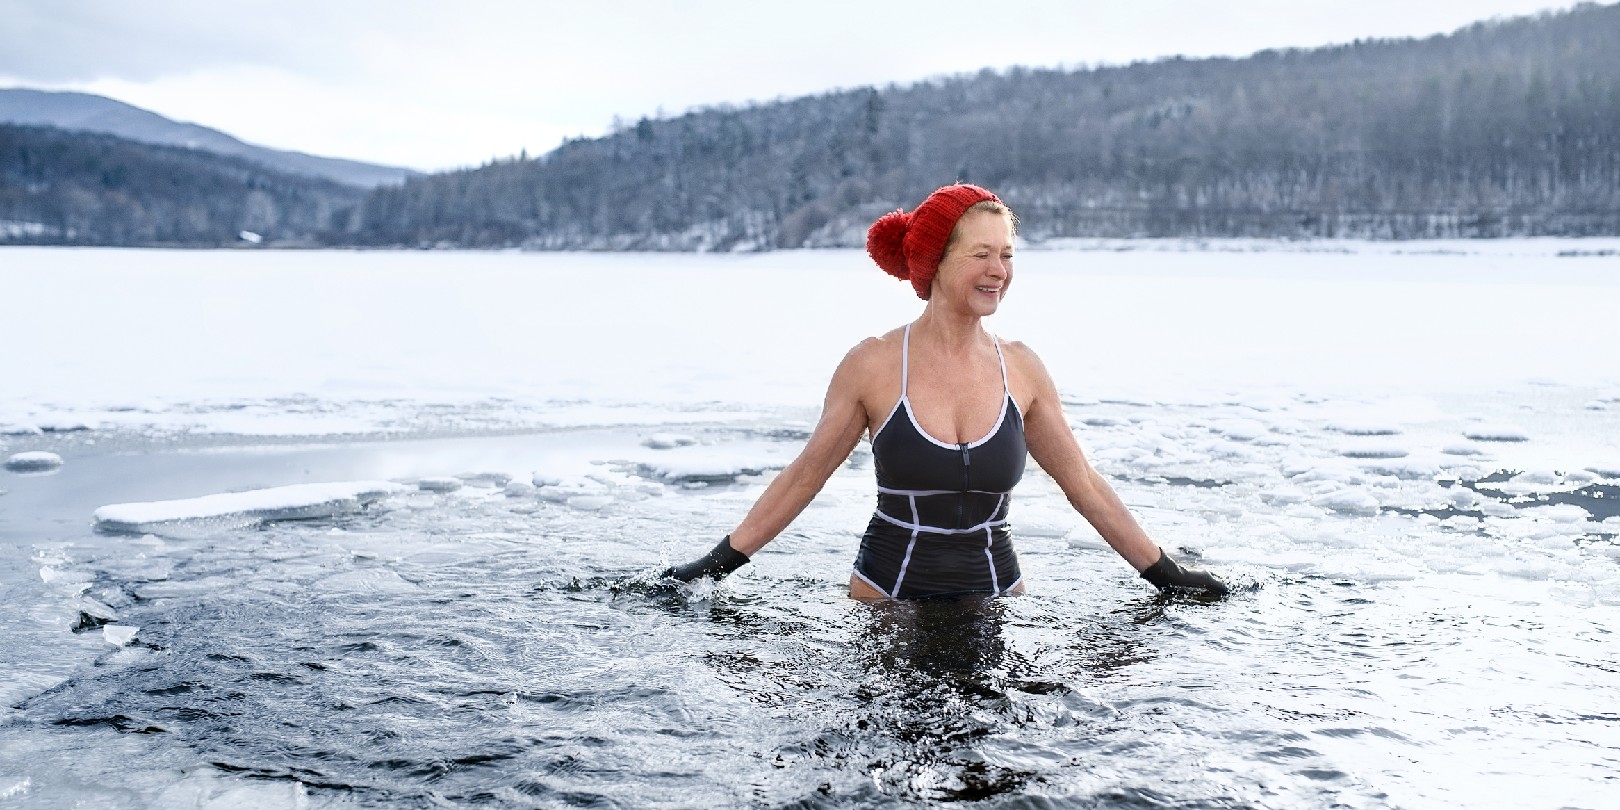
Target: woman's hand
(719, 562)
(1170, 576)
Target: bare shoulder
(1031, 384)
(1022, 360)
(865, 366)
(872, 354)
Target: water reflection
(955, 642)
(935, 679)
(937, 700)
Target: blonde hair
(987, 206)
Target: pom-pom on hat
(910, 246)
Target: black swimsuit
(941, 522)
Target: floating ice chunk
(518, 489)
(1353, 428)
(439, 484)
(1461, 449)
(713, 465)
(1372, 575)
(1348, 502)
(541, 479)
(1462, 523)
(485, 479)
(66, 578)
(1042, 520)
(1285, 496)
(1557, 513)
(1463, 498)
(561, 491)
(1252, 471)
(1608, 470)
(295, 502)
(97, 609)
(1525, 569)
(1530, 482)
(1297, 465)
(33, 461)
(1373, 451)
(1085, 537)
(589, 503)
(368, 580)
(19, 429)
(668, 441)
(62, 425)
(1406, 469)
(1329, 479)
(204, 789)
(1420, 499)
(119, 635)
(1597, 405)
(1101, 421)
(1495, 433)
(1240, 430)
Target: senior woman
(952, 412)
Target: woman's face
(978, 267)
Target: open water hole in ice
(486, 647)
(1425, 617)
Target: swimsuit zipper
(967, 466)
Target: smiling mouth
(988, 289)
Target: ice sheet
(297, 501)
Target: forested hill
(1502, 128)
(78, 188)
(84, 112)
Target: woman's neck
(950, 331)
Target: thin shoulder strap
(1003, 358)
(905, 360)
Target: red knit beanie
(910, 246)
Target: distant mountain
(1503, 128)
(61, 187)
(91, 113)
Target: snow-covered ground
(311, 343)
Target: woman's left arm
(1053, 446)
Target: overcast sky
(435, 85)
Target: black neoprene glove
(1172, 577)
(720, 561)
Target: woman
(952, 412)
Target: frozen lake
(374, 529)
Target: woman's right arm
(844, 417)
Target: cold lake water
(312, 529)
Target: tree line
(76, 188)
(1503, 128)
